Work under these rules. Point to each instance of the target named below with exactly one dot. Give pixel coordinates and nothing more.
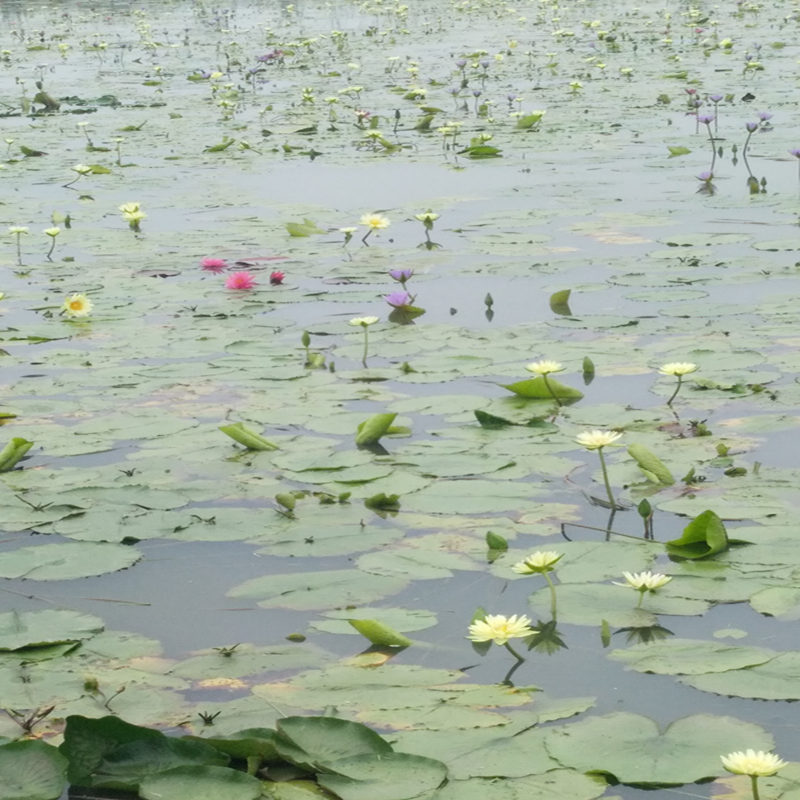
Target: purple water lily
(399, 299)
(401, 275)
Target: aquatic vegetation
(545, 368)
(77, 306)
(373, 222)
(240, 281)
(51, 233)
(364, 322)
(214, 265)
(499, 629)
(276, 277)
(756, 764)
(133, 215)
(644, 582)
(597, 440)
(679, 369)
(18, 231)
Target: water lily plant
(52, 233)
(597, 440)
(373, 222)
(240, 281)
(215, 265)
(364, 322)
(755, 763)
(133, 215)
(76, 306)
(679, 369)
(542, 562)
(498, 629)
(644, 582)
(545, 368)
(19, 231)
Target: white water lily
(678, 368)
(756, 763)
(540, 562)
(499, 629)
(363, 321)
(644, 581)
(544, 367)
(594, 440)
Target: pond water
(558, 147)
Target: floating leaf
(65, 560)
(389, 776)
(631, 748)
(201, 783)
(371, 430)
(678, 150)
(704, 536)
(20, 629)
(305, 228)
(31, 770)
(536, 388)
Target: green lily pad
(200, 783)
(31, 770)
(55, 562)
(632, 749)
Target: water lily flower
(129, 208)
(374, 222)
(241, 281)
(427, 219)
(401, 275)
(399, 299)
(348, 233)
(499, 629)
(18, 230)
(77, 305)
(544, 367)
(596, 440)
(644, 582)
(678, 368)
(363, 321)
(276, 277)
(705, 119)
(52, 233)
(133, 218)
(756, 763)
(215, 265)
(538, 563)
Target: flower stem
(552, 595)
(605, 478)
(52, 247)
(19, 250)
(513, 652)
(677, 389)
(550, 389)
(366, 345)
(713, 147)
(641, 597)
(754, 786)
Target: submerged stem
(605, 478)
(552, 595)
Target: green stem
(754, 786)
(552, 595)
(677, 389)
(605, 478)
(366, 345)
(19, 250)
(641, 597)
(513, 652)
(52, 247)
(550, 389)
